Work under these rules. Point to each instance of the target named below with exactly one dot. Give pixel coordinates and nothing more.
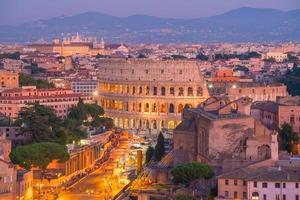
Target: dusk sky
(19, 11)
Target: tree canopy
(159, 150)
(84, 112)
(287, 137)
(27, 80)
(201, 56)
(38, 155)
(42, 125)
(244, 56)
(186, 173)
(149, 154)
(292, 80)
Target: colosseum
(149, 94)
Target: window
(162, 71)
(155, 91)
(172, 91)
(226, 182)
(265, 197)
(180, 71)
(171, 108)
(283, 185)
(244, 183)
(190, 91)
(264, 185)
(244, 195)
(180, 91)
(297, 185)
(147, 90)
(297, 197)
(235, 194)
(163, 91)
(235, 182)
(140, 90)
(255, 184)
(199, 91)
(283, 197)
(292, 119)
(226, 193)
(277, 185)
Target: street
(104, 182)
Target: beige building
(149, 94)
(278, 56)
(258, 92)
(260, 182)
(9, 80)
(275, 114)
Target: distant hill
(240, 25)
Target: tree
(141, 56)
(287, 137)
(149, 154)
(201, 56)
(38, 155)
(41, 124)
(186, 173)
(94, 110)
(27, 80)
(292, 80)
(159, 150)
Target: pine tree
(159, 149)
(149, 154)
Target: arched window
(146, 109)
(180, 108)
(199, 91)
(180, 91)
(154, 108)
(172, 91)
(133, 89)
(140, 90)
(163, 91)
(162, 108)
(127, 89)
(190, 91)
(147, 90)
(140, 107)
(154, 125)
(154, 91)
(171, 108)
(133, 107)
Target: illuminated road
(103, 183)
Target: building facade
(87, 87)
(275, 114)
(258, 92)
(13, 100)
(9, 80)
(149, 94)
(219, 132)
(260, 183)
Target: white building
(278, 56)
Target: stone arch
(188, 105)
(116, 122)
(180, 108)
(190, 91)
(154, 90)
(163, 108)
(154, 108)
(147, 90)
(147, 107)
(264, 152)
(199, 91)
(154, 124)
(171, 108)
(140, 90)
(163, 124)
(140, 107)
(180, 91)
(172, 91)
(163, 91)
(133, 90)
(171, 124)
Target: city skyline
(36, 10)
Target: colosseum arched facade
(149, 94)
